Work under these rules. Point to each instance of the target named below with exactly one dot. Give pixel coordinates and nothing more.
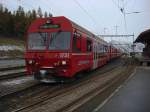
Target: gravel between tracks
(56, 103)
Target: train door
(95, 56)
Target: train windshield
(52, 41)
(59, 41)
(37, 41)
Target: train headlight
(30, 61)
(64, 62)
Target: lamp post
(125, 13)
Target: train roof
(82, 29)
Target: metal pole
(133, 47)
(116, 29)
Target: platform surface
(134, 95)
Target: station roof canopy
(144, 37)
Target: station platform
(133, 96)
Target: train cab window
(76, 43)
(89, 45)
(37, 41)
(59, 41)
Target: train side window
(105, 49)
(89, 45)
(76, 43)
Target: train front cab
(48, 51)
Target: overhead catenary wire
(86, 12)
(123, 11)
(124, 14)
(94, 10)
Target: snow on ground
(11, 51)
(11, 48)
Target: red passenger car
(58, 47)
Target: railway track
(11, 72)
(10, 67)
(46, 93)
(69, 96)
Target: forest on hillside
(15, 24)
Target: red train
(58, 47)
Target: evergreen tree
(29, 14)
(16, 23)
(34, 14)
(45, 15)
(40, 14)
(1, 18)
(1, 8)
(50, 15)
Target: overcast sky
(94, 15)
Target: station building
(144, 38)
